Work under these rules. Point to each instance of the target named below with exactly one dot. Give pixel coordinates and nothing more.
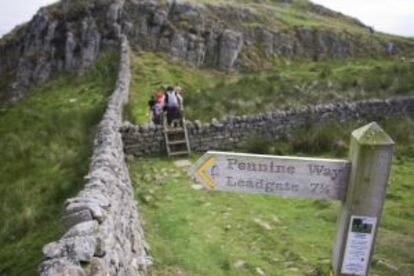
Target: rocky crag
(69, 35)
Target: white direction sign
(269, 174)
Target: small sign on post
(359, 183)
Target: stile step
(178, 142)
(174, 130)
(179, 153)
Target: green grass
(201, 233)
(210, 94)
(46, 142)
(276, 16)
(195, 232)
(151, 71)
(333, 138)
(303, 83)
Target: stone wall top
(103, 233)
(232, 131)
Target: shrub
(257, 144)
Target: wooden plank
(165, 128)
(177, 142)
(187, 140)
(273, 175)
(359, 217)
(178, 153)
(175, 130)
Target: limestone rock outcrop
(69, 35)
(65, 36)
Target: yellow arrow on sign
(204, 176)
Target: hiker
(151, 103)
(171, 104)
(179, 91)
(156, 104)
(159, 97)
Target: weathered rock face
(232, 132)
(66, 36)
(70, 35)
(227, 37)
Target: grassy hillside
(280, 14)
(210, 94)
(289, 14)
(195, 232)
(46, 141)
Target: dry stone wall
(103, 233)
(233, 131)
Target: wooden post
(370, 155)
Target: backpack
(171, 99)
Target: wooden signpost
(289, 176)
(359, 183)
